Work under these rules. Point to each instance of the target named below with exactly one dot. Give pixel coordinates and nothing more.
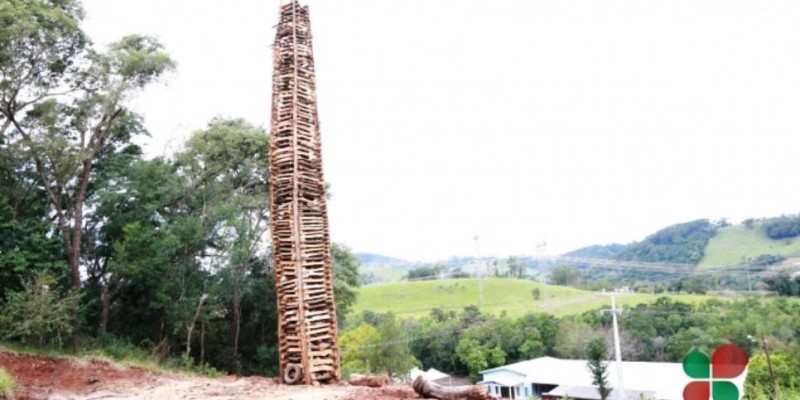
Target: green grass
(387, 274)
(732, 243)
(416, 299)
(7, 384)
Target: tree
(477, 357)
(26, 247)
(345, 280)
(597, 351)
(64, 105)
(516, 269)
(360, 349)
(38, 311)
(394, 356)
(564, 275)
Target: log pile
(432, 390)
(307, 330)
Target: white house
(555, 378)
(431, 374)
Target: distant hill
(370, 259)
(514, 296)
(746, 242)
(608, 251)
(682, 243)
(765, 242)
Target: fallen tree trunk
(431, 390)
(368, 380)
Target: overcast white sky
(577, 122)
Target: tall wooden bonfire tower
(307, 332)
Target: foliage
(39, 311)
(784, 285)
(7, 384)
(784, 227)
(515, 268)
(359, 349)
(564, 275)
(597, 352)
(425, 272)
(785, 364)
(682, 243)
(609, 251)
(345, 280)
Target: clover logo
(714, 375)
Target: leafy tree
(784, 227)
(360, 349)
(759, 378)
(345, 280)
(784, 285)
(39, 311)
(597, 351)
(425, 272)
(478, 357)
(63, 108)
(394, 356)
(564, 275)
(574, 339)
(26, 246)
(516, 269)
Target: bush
(7, 384)
(783, 227)
(38, 312)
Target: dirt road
(71, 379)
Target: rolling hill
(416, 299)
(734, 242)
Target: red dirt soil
(37, 377)
(40, 377)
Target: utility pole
(617, 352)
(480, 271)
(541, 248)
(771, 370)
(773, 378)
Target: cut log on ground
(369, 380)
(431, 390)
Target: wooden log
(431, 390)
(369, 380)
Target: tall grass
(765, 393)
(7, 384)
(115, 350)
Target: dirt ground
(67, 379)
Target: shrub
(39, 311)
(7, 384)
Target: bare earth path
(71, 379)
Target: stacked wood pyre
(307, 330)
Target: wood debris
(431, 390)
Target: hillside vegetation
(515, 296)
(732, 243)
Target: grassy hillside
(416, 299)
(731, 243)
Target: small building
(553, 378)
(431, 374)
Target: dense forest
(102, 247)
(682, 243)
(468, 342)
